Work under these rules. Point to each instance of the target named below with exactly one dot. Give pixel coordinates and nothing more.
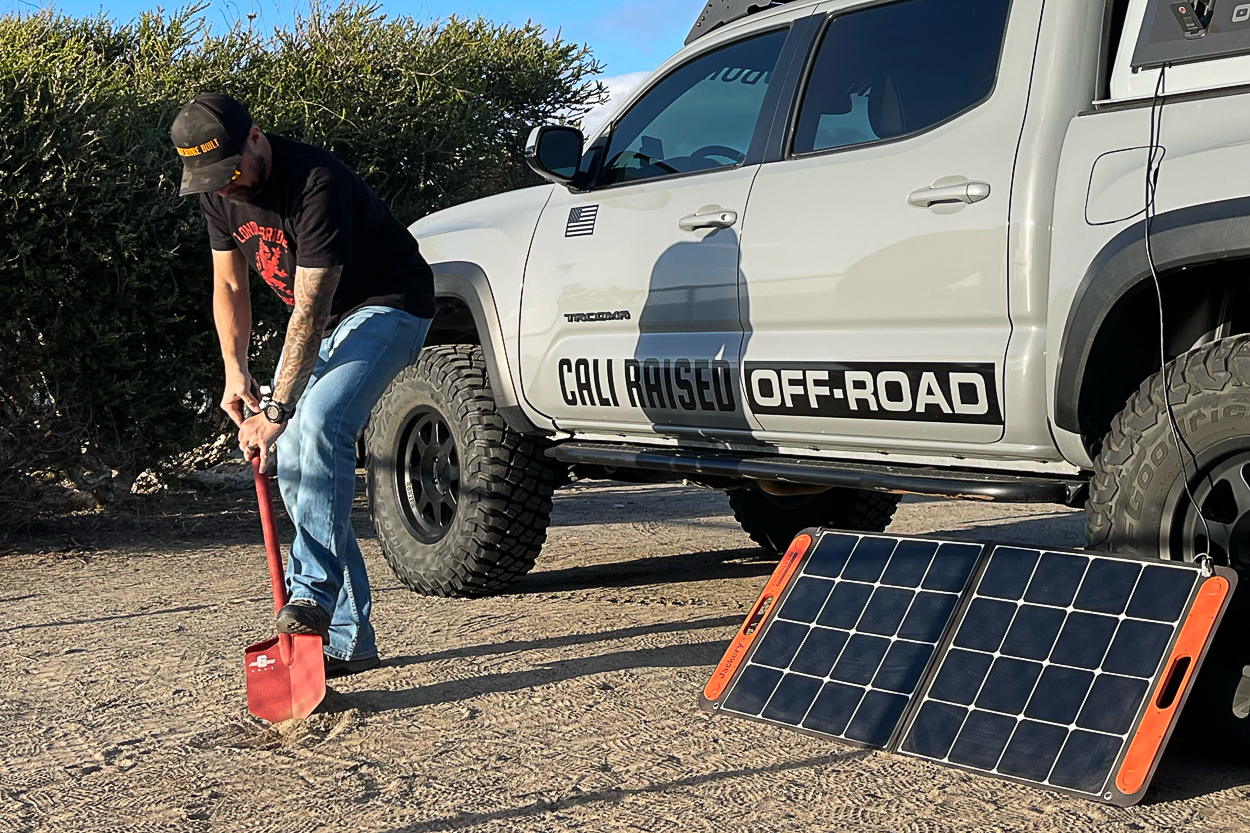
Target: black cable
(1152, 183)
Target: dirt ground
(568, 704)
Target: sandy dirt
(568, 704)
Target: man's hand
(257, 436)
(240, 390)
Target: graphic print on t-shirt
(271, 253)
(267, 264)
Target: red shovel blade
(286, 677)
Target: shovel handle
(273, 552)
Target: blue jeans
(317, 467)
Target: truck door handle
(965, 192)
(709, 219)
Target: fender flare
(1189, 236)
(467, 283)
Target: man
(361, 299)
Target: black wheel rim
(427, 469)
(1221, 488)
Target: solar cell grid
(1018, 662)
(1050, 666)
(852, 639)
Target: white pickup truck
(834, 251)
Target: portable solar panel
(1061, 669)
(852, 626)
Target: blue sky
(627, 36)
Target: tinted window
(700, 117)
(892, 70)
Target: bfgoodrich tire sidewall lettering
(1154, 484)
(1138, 490)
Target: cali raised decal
(651, 384)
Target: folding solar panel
(1061, 669)
(855, 627)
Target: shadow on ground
(513, 646)
(655, 570)
(1186, 774)
(674, 656)
(176, 522)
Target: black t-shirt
(315, 212)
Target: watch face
(273, 412)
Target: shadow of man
(687, 367)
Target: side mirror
(554, 151)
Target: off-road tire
(773, 522)
(1137, 506)
(500, 517)
(1137, 474)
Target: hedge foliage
(108, 358)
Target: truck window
(700, 117)
(877, 75)
(1113, 30)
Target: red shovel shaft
(285, 673)
(272, 551)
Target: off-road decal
(912, 391)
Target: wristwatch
(276, 412)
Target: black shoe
(336, 667)
(304, 617)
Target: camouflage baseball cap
(209, 134)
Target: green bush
(108, 358)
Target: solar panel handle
(1172, 685)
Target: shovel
(286, 674)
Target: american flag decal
(581, 221)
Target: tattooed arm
(314, 292)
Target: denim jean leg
(289, 469)
(362, 355)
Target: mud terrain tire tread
(1219, 368)
(773, 525)
(497, 535)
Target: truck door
(629, 313)
(874, 264)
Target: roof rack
(719, 12)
